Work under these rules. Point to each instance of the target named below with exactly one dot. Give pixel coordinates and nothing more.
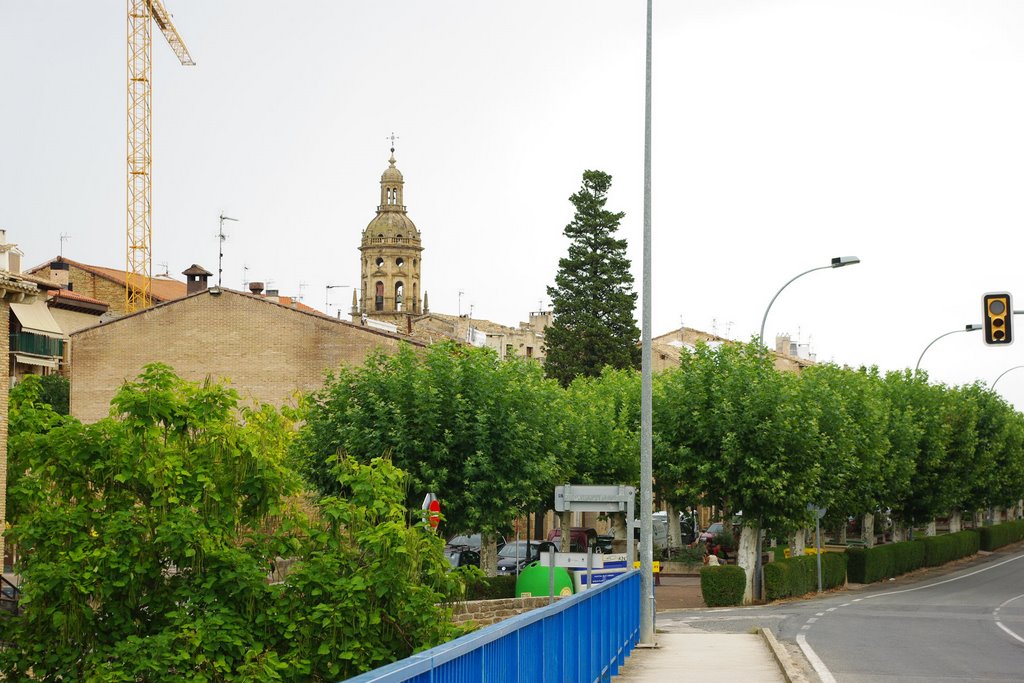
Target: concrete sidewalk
(703, 657)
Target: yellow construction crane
(141, 14)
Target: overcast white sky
(785, 132)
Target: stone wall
(487, 612)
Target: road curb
(781, 658)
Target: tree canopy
(593, 298)
(479, 433)
(149, 536)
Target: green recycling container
(535, 581)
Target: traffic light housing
(998, 315)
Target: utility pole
(221, 237)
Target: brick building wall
(268, 351)
(92, 285)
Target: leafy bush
(997, 536)
(479, 586)
(182, 475)
(691, 555)
(868, 565)
(722, 586)
(796, 576)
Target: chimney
(59, 272)
(273, 295)
(196, 279)
(256, 288)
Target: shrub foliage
(722, 586)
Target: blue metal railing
(583, 638)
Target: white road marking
(819, 666)
(1000, 625)
(995, 615)
(812, 620)
(939, 583)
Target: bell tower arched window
(379, 297)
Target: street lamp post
(647, 613)
(967, 328)
(837, 262)
(327, 296)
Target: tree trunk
(746, 557)
(954, 521)
(898, 531)
(675, 535)
(489, 555)
(620, 532)
(842, 534)
(867, 530)
(797, 541)
(566, 525)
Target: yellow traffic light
(998, 315)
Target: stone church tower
(390, 258)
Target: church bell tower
(390, 258)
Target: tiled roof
(161, 289)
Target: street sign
(818, 512)
(432, 506)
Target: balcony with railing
(37, 344)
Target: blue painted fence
(583, 638)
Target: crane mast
(139, 265)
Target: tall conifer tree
(593, 297)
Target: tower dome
(390, 255)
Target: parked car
(462, 557)
(580, 538)
(712, 531)
(687, 529)
(517, 554)
(471, 541)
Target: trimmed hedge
(997, 536)
(942, 549)
(491, 587)
(722, 586)
(796, 576)
(868, 565)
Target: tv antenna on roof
(64, 237)
(221, 237)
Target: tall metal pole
(220, 242)
(646, 470)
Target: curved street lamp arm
(764, 319)
(966, 328)
(1015, 367)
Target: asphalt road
(962, 623)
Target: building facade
(267, 350)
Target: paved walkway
(680, 657)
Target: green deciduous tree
(593, 298)
(852, 438)
(147, 539)
(480, 433)
(736, 432)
